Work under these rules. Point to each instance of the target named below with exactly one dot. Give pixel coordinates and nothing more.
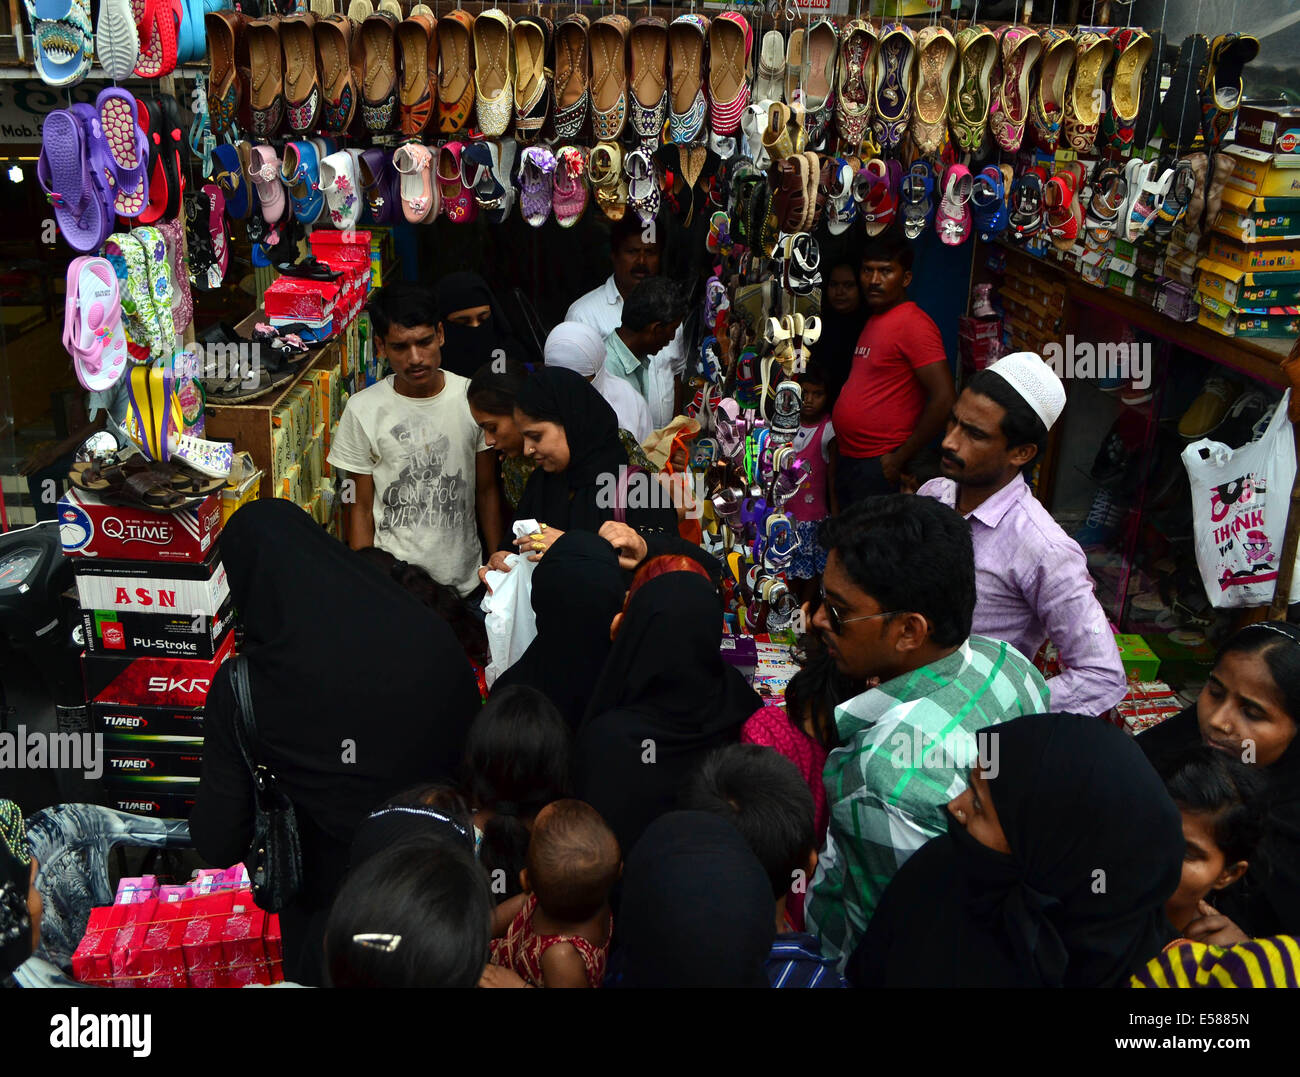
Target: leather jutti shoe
(854, 79)
(937, 54)
(968, 108)
(227, 54)
(688, 107)
(415, 36)
(1084, 98)
(895, 77)
(1148, 117)
(1047, 108)
(1020, 50)
(649, 86)
(379, 62)
(1132, 55)
(1221, 95)
(338, 59)
(266, 65)
(572, 76)
(822, 44)
(456, 71)
(532, 35)
(731, 40)
(608, 40)
(494, 72)
(301, 89)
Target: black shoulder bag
(274, 860)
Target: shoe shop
(940, 357)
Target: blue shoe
(1104, 521)
(988, 204)
(301, 174)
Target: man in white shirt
(425, 478)
(602, 308)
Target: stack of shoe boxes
(157, 617)
(1249, 284)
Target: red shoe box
(91, 528)
(152, 682)
(201, 941)
(241, 943)
(92, 962)
(302, 299)
(128, 941)
(337, 249)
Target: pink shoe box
(158, 959)
(136, 891)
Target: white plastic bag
(1240, 499)
(511, 624)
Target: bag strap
(245, 723)
(620, 498)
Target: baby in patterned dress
(556, 933)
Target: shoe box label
(179, 758)
(142, 587)
(170, 681)
(120, 721)
(159, 806)
(138, 635)
(93, 529)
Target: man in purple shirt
(1031, 578)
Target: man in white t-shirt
(425, 478)
(602, 308)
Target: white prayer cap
(577, 347)
(1035, 381)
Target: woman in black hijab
(697, 907)
(1054, 871)
(664, 700)
(342, 728)
(572, 433)
(1250, 709)
(577, 589)
(475, 327)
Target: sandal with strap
(918, 199)
(988, 201)
(1027, 204)
(1109, 196)
(1175, 202)
(953, 219)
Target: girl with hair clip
(1249, 710)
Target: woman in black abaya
(476, 329)
(577, 589)
(358, 689)
(1053, 873)
(664, 700)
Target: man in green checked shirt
(899, 594)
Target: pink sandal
(570, 193)
(92, 324)
(457, 203)
(953, 220)
(420, 201)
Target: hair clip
(372, 940)
(406, 809)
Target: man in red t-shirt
(900, 389)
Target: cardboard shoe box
(196, 636)
(118, 720)
(91, 528)
(145, 587)
(1271, 128)
(174, 757)
(176, 682)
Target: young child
(765, 798)
(814, 444)
(558, 933)
(1221, 802)
(516, 762)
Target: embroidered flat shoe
(894, 83)
(649, 87)
(494, 72)
(532, 35)
(266, 67)
(415, 37)
(1047, 105)
(608, 41)
(688, 107)
(572, 76)
(856, 67)
(379, 83)
(301, 90)
(936, 57)
(455, 71)
(972, 96)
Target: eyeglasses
(837, 622)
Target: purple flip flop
(63, 172)
(118, 127)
